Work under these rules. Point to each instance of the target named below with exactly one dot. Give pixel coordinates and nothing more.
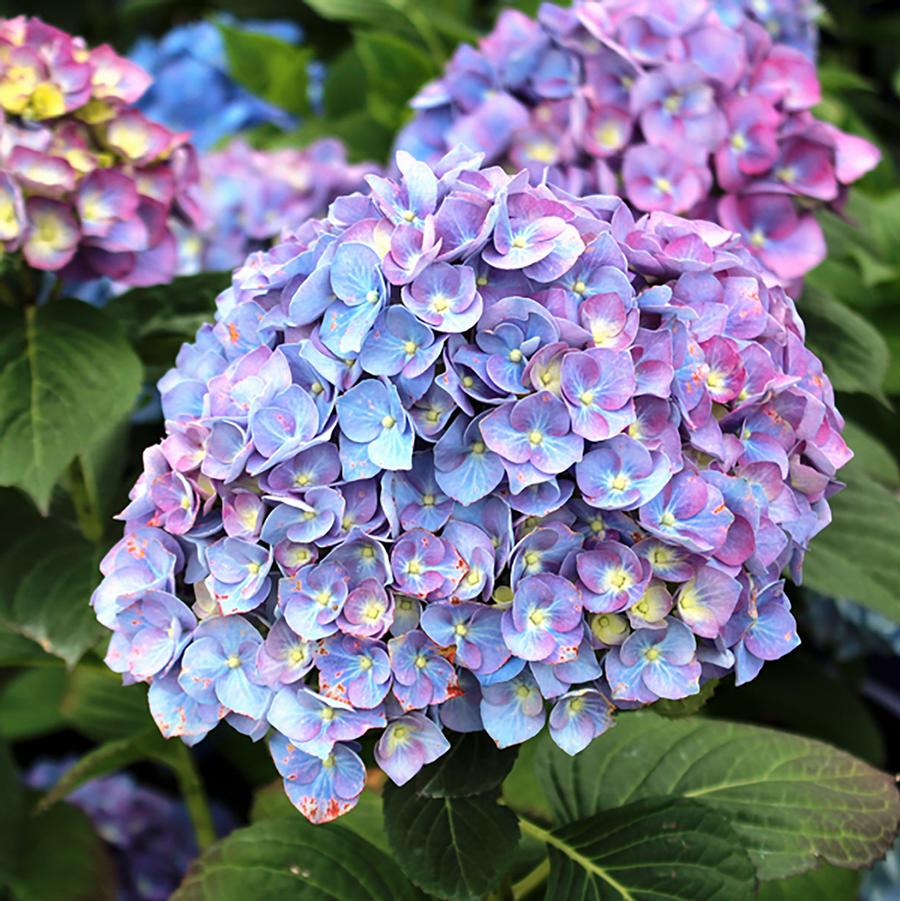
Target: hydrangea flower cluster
(89, 185)
(248, 197)
(149, 833)
(193, 89)
(467, 455)
(683, 106)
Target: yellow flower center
(663, 185)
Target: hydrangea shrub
(470, 454)
(683, 107)
(89, 185)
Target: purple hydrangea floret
(582, 498)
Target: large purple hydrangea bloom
(470, 454)
(89, 186)
(687, 106)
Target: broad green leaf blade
(46, 580)
(108, 758)
(454, 848)
(792, 800)
(272, 69)
(290, 858)
(29, 703)
(99, 706)
(395, 70)
(824, 884)
(16, 650)
(658, 848)
(364, 11)
(872, 456)
(472, 766)
(852, 350)
(857, 556)
(66, 373)
(61, 858)
(53, 856)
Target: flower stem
(85, 502)
(531, 881)
(191, 788)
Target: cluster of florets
(465, 450)
(89, 185)
(249, 197)
(148, 832)
(193, 89)
(658, 99)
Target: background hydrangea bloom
(702, 109)
(193, 88)
(90, 186)
(584, 498)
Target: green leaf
(46, 580)
(358, 11)
(655, 848)
(395, 70)
(853, 352)
(824, 884)
(29, 703)
(454, 848)
(857, 556)
(290, 858)
(342, 92)
(472, 766)
(66, 373)
(53, 856)
(16, 650)
(159, 319)
(99, 706)
(522, 790)
(108, 758)
(272, 69)
(793, 801)
(836, 77)
(872, 456)
(366, 139)
(61, 858)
